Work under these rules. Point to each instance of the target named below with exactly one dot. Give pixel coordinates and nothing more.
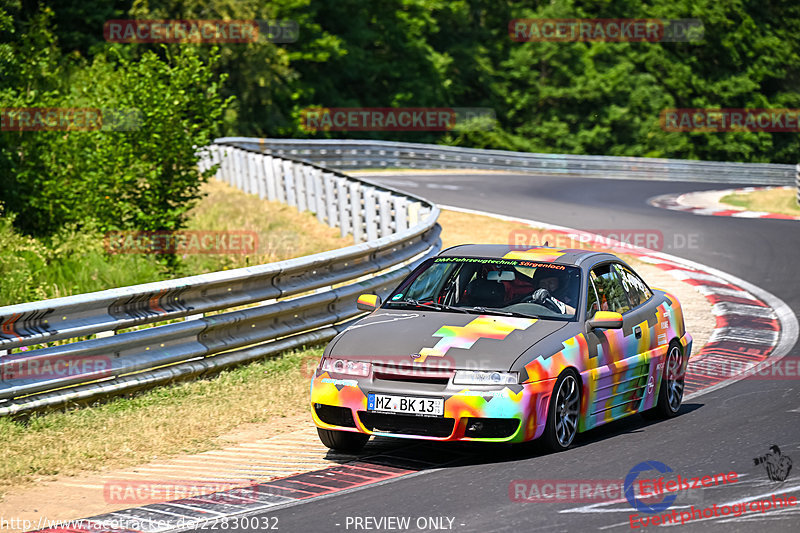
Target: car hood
(441, 339)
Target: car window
(637, 290)
(428, 284)
(537, 289)
(610, 291)
(592, 305)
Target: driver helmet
(559, 283)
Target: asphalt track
(467, 489)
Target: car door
(650, 330)
(619, 377)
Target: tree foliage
(559, 97)
(140, 173)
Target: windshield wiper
(429, 305)
(495, 311)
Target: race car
(497, 344)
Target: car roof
(541, 254)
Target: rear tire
(342, 441)
(670, 395)
(563, 412)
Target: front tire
(342, 441)
(563, 412)
(670, 396)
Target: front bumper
(509, 413)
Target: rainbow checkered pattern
(487, 327)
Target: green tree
(143, 176)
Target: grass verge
(777, 200)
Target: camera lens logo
(638, 504)
(776, 464)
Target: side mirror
(368, 302)
(605, 320)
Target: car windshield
(492, 286)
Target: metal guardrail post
(252, 170)
(280, 184)
(343, 208)
(797, 182)
(319, 195)
(330, 199)
(238, 172)
(261, 177)
(385, 215)
(400, 213)
(227, 170)
(357, 216)
(249, 181)
(269, 177)
(370, 213)
(299, 178)
(280, 180)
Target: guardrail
(300, 301)
(357, 154)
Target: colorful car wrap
(415, 354)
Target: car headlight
(343, 366)
(485, 377)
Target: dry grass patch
(777, 200)
(283, 232)
(466, 228)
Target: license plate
(388, 403)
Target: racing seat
(484, 293)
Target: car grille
(411, 379)
(407, 424)
(412, 374)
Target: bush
(71, 261)
(143, 178)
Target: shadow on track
(414, 455)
